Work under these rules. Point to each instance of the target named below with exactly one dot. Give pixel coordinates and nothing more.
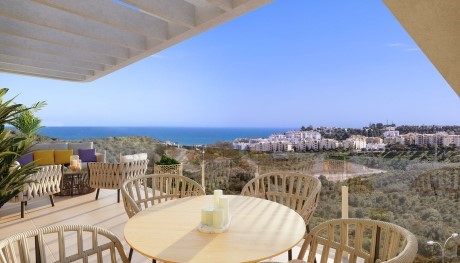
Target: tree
(12, 177)
(26, 122)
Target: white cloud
(412, 49)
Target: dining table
(259, 229)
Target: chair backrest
(82, 243)
(47, 181)
(142, 192)
(112, 175)
(300, 192)
(361, 239)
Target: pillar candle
(224, 205)
(207, 216)
(217, 216)
(217, 195)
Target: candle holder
(75, 163)
(217, 218)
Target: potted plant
(167, 165)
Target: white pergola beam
(45, 34)
(45, 65)
(175, 11)
(28, 11)
(48, 48)
(110, 13)
(14, 52)
(226, 5)
(41, 72)
(83, 40)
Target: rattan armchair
(101, 244)
(300, 192)
(360, 240)
(112, 175)
(46, 182)
(142, 192)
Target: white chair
(145, 191)
(300, 192)
(93, 244)
(112, 175)
(359, 240)
(46, 182)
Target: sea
(178, 135)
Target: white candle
(206, 216)
(217, 216)
(224, 205)
(217, 195)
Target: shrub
(167, 160)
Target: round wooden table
(260, 229)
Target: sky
(291, 63)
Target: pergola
(83, 40)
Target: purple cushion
(87, 155)
(25, 159)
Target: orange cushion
(44, 157)
(62, 156)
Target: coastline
(179, 135)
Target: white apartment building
(355, 142)
(390, 132)
(375, 146)
(303, 135)
(328, 144)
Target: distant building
(375, 146)
(390, 132)
(374, 140)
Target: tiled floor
(105, 212)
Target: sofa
(59, 153)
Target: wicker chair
(47, 181)
(360, 239)
(143, 192)
(112, 175)
(300, 192)
(102, 245)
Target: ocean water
(180, 135)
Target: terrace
(65, 40)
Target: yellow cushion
(44, 157)
(62, 156)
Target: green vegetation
(12, 146)
(26, 122)
(167, 160)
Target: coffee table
(260, 229)
(75, 183)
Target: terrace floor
(105, 212)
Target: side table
(75, 183)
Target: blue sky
(288, 64)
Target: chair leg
(118, 195)
(52, 200)
(97, 193)
(22, 209)
(154, 261)
(38, 258)
(25, 203)
(130, 256)
(290, 255)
